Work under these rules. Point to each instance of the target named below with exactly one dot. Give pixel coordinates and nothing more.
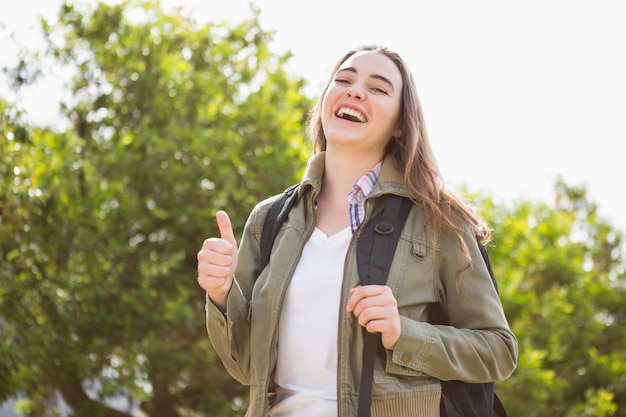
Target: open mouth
(351, 115)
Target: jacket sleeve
(478, 345)
(230, 333)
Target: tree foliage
(170, 120)
(562, 282)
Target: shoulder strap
(377, 243)
(375, 251)
(485, 255)
(498, 407)
(275, 216)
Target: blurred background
(126, 125)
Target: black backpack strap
(498, 407)
(375, 251)
(485, 255)
(377, 243)
(275, 216)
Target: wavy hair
(413, 152)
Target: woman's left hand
(376, 309)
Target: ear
(397, 133)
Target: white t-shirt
(306, 371)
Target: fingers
(371, 301)
(371, 293)
(376, 309)
(226, 244)
(226, 228)
(215, 246)
(217, 261)
(213, 263)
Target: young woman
(292, 330)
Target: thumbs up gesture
(217, 261)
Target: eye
(342, 81)
(380, 90)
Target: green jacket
(479, 348)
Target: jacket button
(406, 357)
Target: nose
(356, 91)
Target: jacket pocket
(412, 278)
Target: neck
(341, 171)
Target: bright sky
(515, 93)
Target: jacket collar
(391, 179)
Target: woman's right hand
(217, 262)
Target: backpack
(380, 236)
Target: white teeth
(351, 113)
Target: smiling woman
(370, 144)
(368, 88)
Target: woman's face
(361, 107)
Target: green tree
(169, 121)
(562, 282)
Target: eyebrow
(375, 76)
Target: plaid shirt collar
(362, 189)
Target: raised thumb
(226, 228)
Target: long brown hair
(412, 150)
